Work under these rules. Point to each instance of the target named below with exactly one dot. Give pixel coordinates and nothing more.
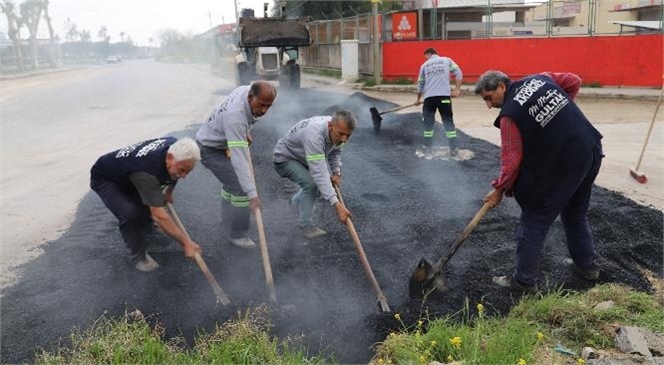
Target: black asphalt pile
(404, 208)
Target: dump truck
(269, 49)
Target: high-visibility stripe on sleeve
(235, 144)
(318, 157)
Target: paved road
(54, 126)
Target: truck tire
(295, 76)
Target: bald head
(261, 97)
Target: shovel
(265, 256)
(426, 278)
(376, 115)
(222, 297)
(382, 301)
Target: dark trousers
(234, 204)
(135, 220)
(570, 199)
(442, 104)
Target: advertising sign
(404, 26)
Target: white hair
(185, 149)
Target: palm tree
(71, 30)
(51, 36)
(31, 14)
(14, 24)
(101, 34)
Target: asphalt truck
(268, 49)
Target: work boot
(511, 283)
(590, 273)
(312, 232)
(243, 242)
(145, 262)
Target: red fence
(607, 60)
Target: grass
(131, 340)
(527, 335)
(534, 326)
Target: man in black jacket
(130, 182)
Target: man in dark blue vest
(130, 182)
(550, 157)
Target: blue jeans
(305, 198)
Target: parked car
(112, 59)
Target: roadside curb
(467, 90)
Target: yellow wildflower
(397, 317)
(392, 334)
(423, 360)
(433, 343)
(419, 323)
(380, 362)
(521, 362)
(456, 342)
(581, 361)
(450, 358)
(540, 336)
(480, 308)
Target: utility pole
(376, 41)
(236, 20)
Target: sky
(141, 19)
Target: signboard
(404, 26)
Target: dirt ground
(406, 206)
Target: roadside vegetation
(131, 340)
(538, 330)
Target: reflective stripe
(318, 157)
(428, 134)
(446, 101)
(237, 201)
(232, 144)
(450, 134)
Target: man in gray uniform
(224, 141)
(303, 156)
(434, 83)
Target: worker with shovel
(224, 141)
(304, 154)
(550, 157)
(129, 181)
(434, 84)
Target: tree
(14, 24)
(334, 9)
(101, 34)
(51, 36)
(122, 37)
(31, 11)
(71, 30)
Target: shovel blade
(376, 119)
(424, 280)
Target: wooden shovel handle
(363, 258)
(462, 237)
(397, 108)
(262, 241)
(265, 256)
(222, 297)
